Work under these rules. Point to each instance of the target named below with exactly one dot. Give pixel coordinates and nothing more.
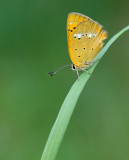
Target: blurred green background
(33, 42)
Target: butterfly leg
(86, 71)
(88, 63)
(78, 74)
(91, 63)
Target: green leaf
(63, 118)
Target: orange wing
(85, 39)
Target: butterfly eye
(73, 67)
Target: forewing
(86, 40)
(73, 20)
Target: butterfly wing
(73, 20)
(85, 41)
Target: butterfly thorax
(73, 67)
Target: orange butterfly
(85, 39)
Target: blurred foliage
(33, 42)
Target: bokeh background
(33, 42)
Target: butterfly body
(85, 39)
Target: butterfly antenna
(54, 72)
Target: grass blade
(63, 118)
(105, 48)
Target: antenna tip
(51, 73)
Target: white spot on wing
(79, 35)
(90, 35)
(94, 35)
(75, 35)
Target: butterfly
(85, 39)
